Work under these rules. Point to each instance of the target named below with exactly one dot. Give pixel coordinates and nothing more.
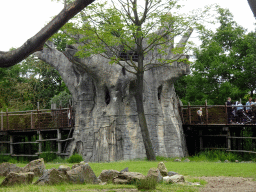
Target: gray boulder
(18, 179)
(52, 177)
(108, 175)
(128, 178)
(78, 165)
(64, 168)
(162, 169)
(174, 179)
(171, 173)
(155, 173)
(82, 174)
(125, 170)
(37, 166)
(6, 168)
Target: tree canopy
(224, 65)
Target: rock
(36, 166)
(82, 174)
(162, 169)
(171, 173)
(78, 164)
(177, 160)
(155, 173)
(226, 161)
(186, 160)
(236, 161)
(108, 175)
(219, 161)
(125, 170)
(174, 179)
(128, 178)
(6, 168)
(52, 177)
(64, 168)
(18, 179)
(167, 179)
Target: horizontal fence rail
(36, 119)
(216, 115)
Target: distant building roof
(252, 4)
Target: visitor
(229, 110)
(239, 109)
(248, 108)
(200, 114)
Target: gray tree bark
(106, 118)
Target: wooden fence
(212, 115)
(36, 119)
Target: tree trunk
(36, 43)
(142, 119)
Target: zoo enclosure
(215, 132)
(36, 119)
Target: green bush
(48, 157)
(146, 184)
(76, 158)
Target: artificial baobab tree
(128, 109)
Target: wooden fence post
(189, 113)
(2, 121)
(11, 144)
(226, 112)
(7, 119)
(201, 139)
(206, 112)
(32, 124)
(58, 141)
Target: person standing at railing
(200, 115)
(229, 110)
(239, 109)
(248, 108)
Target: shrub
(47, 156)
(146, 184)
(76, 158)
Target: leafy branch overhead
(123, 27)
(36, 42)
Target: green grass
(189, 169)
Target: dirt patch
(228, 184)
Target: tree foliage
(224, 65)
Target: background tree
(219, 70)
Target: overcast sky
(21, 19)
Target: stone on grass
(128, 178)
(125, 170)
(78, 164)
(174, 179)
(6, 168)
(226, 161)
(64, 168)
(186, 160)
(177, 160)
(52, 177)
(18, 179)
(37, 166)
(236, 161)
(82, 174)
(108, 175)
(155, 173)
(162, 169)
(171, 173)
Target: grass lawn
(188, 169)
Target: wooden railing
(212, 115)
(36, 119)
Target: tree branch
(35, 43)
